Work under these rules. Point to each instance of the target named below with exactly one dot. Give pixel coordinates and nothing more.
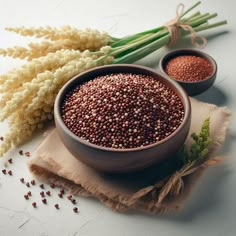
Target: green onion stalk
(135, 47)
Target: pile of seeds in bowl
(122, 111)
(189, 68)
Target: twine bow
(175, 25)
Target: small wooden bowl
(195, 87)
(122, 160)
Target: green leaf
(199, 148)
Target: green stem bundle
(134, 47)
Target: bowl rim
(194, 52)
(69, 84)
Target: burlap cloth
(52, 162)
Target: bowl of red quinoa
(193, 69)
(122, 118)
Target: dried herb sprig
(199, 148)
(192, 160)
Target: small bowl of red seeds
(193, 69)
(122, 118)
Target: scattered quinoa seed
(52, 185)
(4, 171)
(41, 186)
(73, 201)
(21, 152)
(44, 201)
(75, 209)
(10, 160)
(27, 154)
(10, 172)
(44, 194)
(62, 191)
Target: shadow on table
(208, 194)
(205, 197)
(213, 95)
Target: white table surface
(211, 209)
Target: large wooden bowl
(122, 160)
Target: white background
(211, 209)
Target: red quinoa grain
(27, 154)
(21, 152)
(75, 209)
(188, 68)
(42, 194)
(62, 191)
(44, 201)
(122, 111)
(41, 186)
(73, 201)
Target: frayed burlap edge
(122, 203)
